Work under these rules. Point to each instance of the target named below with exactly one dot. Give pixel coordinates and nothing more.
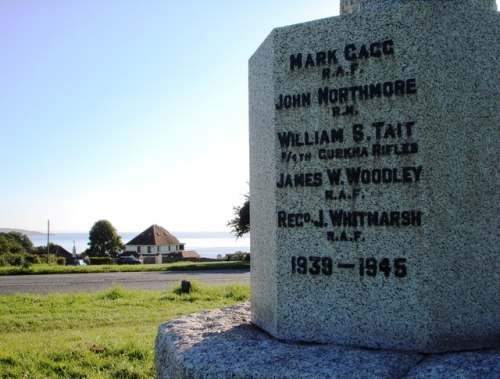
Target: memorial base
(222, 343)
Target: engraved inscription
(342, 165)
(367, 267)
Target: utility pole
(48, 240)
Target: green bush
(32, 259)
(3, 260)
(101, 260)
(61, 261)
(238, 256)
(14, 243)
(12, 259)
(19, 259)
(42, 258)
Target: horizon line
(83, 231)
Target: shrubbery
(101, 260)
(32, 259)
(61, 261)
(26, 260)
(16, 250)
(19, 259)
(238, 256)
(15, 243)
(8, 259)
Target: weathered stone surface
(406, 256)
(222, 343)
(471, 365)
(351, 6)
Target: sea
(207, 244)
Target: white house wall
(164, 249)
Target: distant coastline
(184, 233)
(23, 231)
(207, 244)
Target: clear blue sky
(130, 111)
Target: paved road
(131, 280)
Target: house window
(149, 249)
(138, 249)
(181, 247)
(158, 248)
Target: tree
(21, 239)
(240, 224)
(104, 240)
(14, 249)
(15, 243)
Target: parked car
(129, 261)
(79, 262)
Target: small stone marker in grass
(186, 286)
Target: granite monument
(374, 177)
(374, 203)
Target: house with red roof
(158, 245)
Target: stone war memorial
(374, 189)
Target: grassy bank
(39, 269)
(106, 334)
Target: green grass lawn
(177, 266)
(107, 334)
